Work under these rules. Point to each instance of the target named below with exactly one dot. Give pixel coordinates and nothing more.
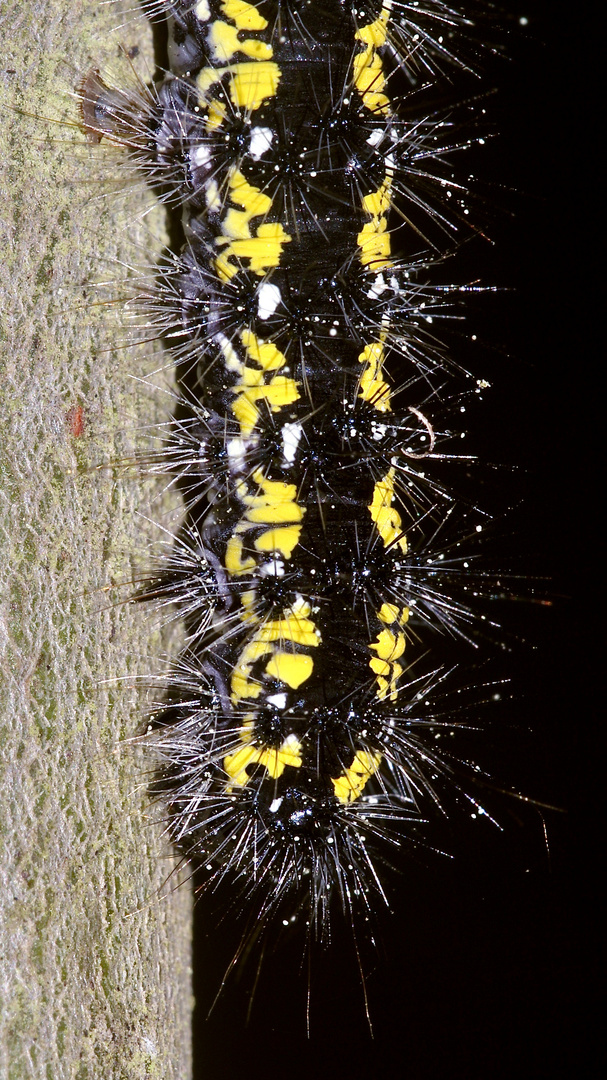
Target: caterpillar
(329, 601)
(296, 739)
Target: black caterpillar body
(293, 745)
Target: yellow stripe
(282, 540)
(274, 503)
(390, 613)
(278, 393)
(389, 646)
(245, 16)
(386, 517)
(251, 83)
(350, 785)
(291, 668)
(233, 560)
(263, 251)
(274, 759)
(373, 386)
(367, 66)
(224, 43)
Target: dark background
(483, 966)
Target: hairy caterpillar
(293, 741)
(187, 359)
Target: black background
(484, 964)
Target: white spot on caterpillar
(268, 299)
(276, 568)
(291, 434)
(376, 136)
(237, 450)
(230, 355)
(279, 700)
(275, 805)
(212, 196)
(261, 142)
(378, 287)
(201, 155)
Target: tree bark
(95, 959)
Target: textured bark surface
(95, 946)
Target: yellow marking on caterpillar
(274, 503)
(236, 223)
(248, 600)
(224, 43)
(262, 250)
(386, 517)
(367, 66)
(350, 785)
(282, 540)
(374, 238)
(245, 16)
(389, 646)
(291, 668)
(251, 83)
(377, 203)
(374, 243)
(223, 38)
(390, 613)
(373, 386)
(246, 412)
(247, 730)
(386, 686)
(234, 562)
(262, 352)
(274, 759)
(216, 114)
(293, 625)
(278, 393)
(241, 684)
